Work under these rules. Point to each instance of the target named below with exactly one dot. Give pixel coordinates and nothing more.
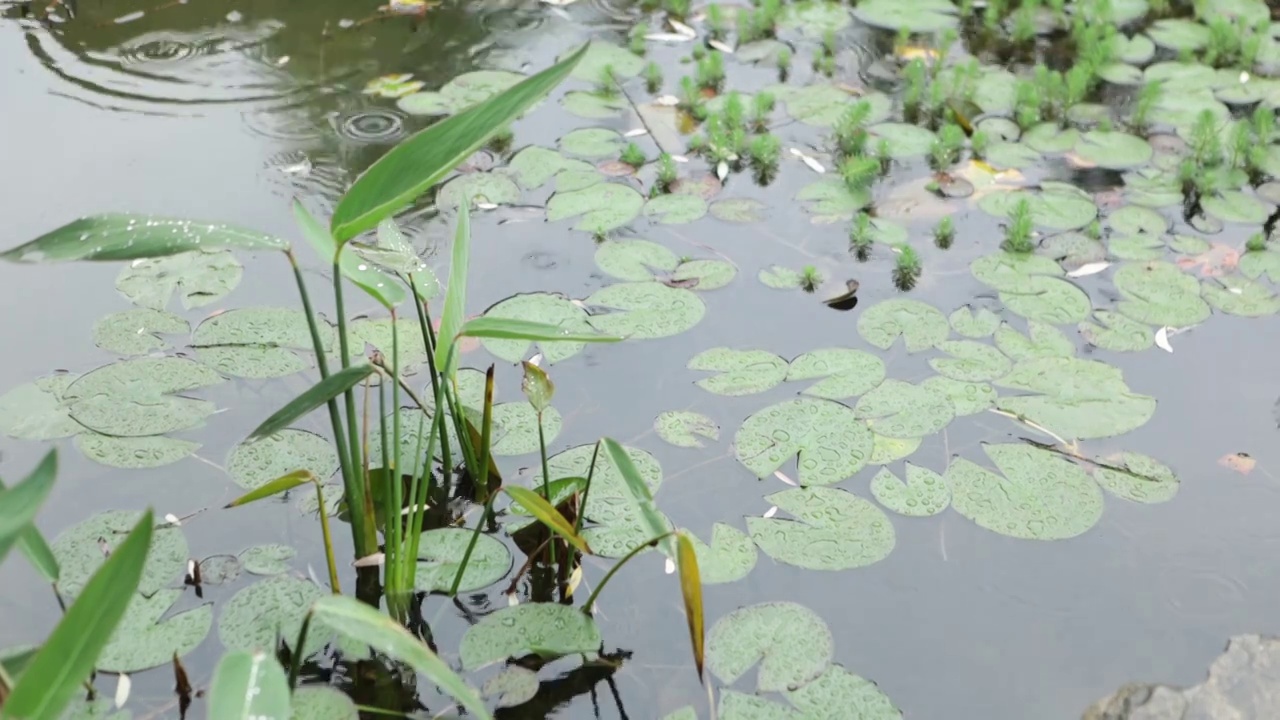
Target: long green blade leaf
(68, 656)
(125, 236)
(19, 504)
(365, 624)
(38, 553)
(379, 285)
(424, 159)
(317, 395)
(456, 296)
(547, 515)
(639, 491)
(275, 487)
(506, 329)
(249, 686)
(691, 592)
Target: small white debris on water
(362, 267)
(667, 37)
(722, 170)
(771, 512)
(374, 560)
(123, 686)
(536, 360)
(169, 517)
(234, 16)
(782, 476)
(486, 206)
(722, 47)
(679, 158)
(512, 600)
(1092, 268)
(635, 133)
(1162, 339)
(1244, 76)
(667, 100)
(670, 566)
(282, 61)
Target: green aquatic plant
(1093, 230)
(783, 61)
(993, 14)
(906, 268)
(851, 130)
(810, 278)
(691, 100)
(607, 84)
(652, 77)
(861, 236)
(859, 172)
(1028, 105)
(1144, 104)
(944, 233)
(1017, 232)
(632, 155)
(717, 25)
(1206, 142)
(979, 141)
(945, 150)
(765, 152)
(667, 174)
(914, 90)
(761, 106)
(1023, 31)
(710, 71)
(884, 154)
(1257, 242)
(733, 113)
(636, 42)
(677, 8)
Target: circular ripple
(161, 50)
(374, 125)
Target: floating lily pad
(79, 551)
(1059, 210)
(846, 373)
(592, 142)
(730, 556)
(970, 361)
(267, 559)
(1178, 34)
(683, 428)
(905, 140)
(1137, 220)
(133, 398)
(459, 93)
(143, 640)
(916, 16)
(1120, 73)
(886, 449)
(1235, 206)
(1051, 138)
(1115, 150)
(1076, 398)
(738, 210)
(544, 308)
(378, 333)
(441, 552)
(1117, 332)
(1240, 296)
(601, 55)
(254, 463)
(134, 453)
(534, 166)
(137, 331)
(902, 410)
(593, 105)
(38, 410)
(968, 398)
(833, 530)
(1256, 263)
(1159, 293)
(198, 278)
(1040, 496)
(1135, 247)
(645, 310)
(832, 442)
(269, 611)
(1137, 477)
(600, 208)
(1040, 341)
(704, 275)
(634, 259)
(790, 642)
(924, 493)
(832, 199)
(494, 187)
(839, 691)
(675, 209)
(920, 325)
(321, 702)
(973, 323)
(259, 342)
(823, 104)
(816, 18)
(549, 630)
(743, 372)
(740, 706)
(781, 278)
(1012, 155)
(1049, 300)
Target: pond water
(1029, 598)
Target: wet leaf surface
(830, 439)
(545, 629)
(832, 530)
(1038, 496)
(791, 644)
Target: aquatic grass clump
(632, 155)
(944, 233)
(1257, 242)
(1028, 105)
(607, 84)
(636, 42)
(667, 174)
(884, 155)
(979, 141)
(1144, 104)
(861, 236)
(810, 278)
(691, 99)
(710, 72)
(733, 113)
(761, 106)
(859, 172)
(906, 268)
(652, 77)
(851, 131)
(765, 152)
(945, 150)
(783, 61)
(717, 24)
(914, 91)
(1017, 232)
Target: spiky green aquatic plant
(810, 278)
(1017, 232)
(906, 268)
(633, 156)
(652, 77)
(861, 236)
(944, 233)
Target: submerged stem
(591, 601)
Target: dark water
(211, 109)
